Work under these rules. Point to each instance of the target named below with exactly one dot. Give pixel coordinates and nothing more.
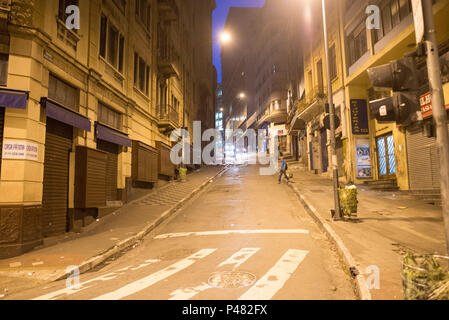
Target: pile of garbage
(348, 200)
(424, 278)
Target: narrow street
(245, 237)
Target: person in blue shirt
(283, 171)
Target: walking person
(283, 171)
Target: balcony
(168, 10)
(168, 118)
(315, 93)
(167, 56)
(295, 123)
(273, 115)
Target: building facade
(86, 114)
(260, 66)
(385, 155)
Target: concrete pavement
(244, 237)
(388, 225)
(108, 236)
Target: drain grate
(231, 279)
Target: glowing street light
(225, 37)
(242, 95)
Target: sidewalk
(103, 238)
(388, 224)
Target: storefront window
(3, 69)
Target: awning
(111, 135)
(60, 113)
(13, 99)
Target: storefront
(422, 150)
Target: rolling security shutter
(58, 144)
(111, 168)
(422, 160)
(2, 121)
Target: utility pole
(337, 209)
(438, 108)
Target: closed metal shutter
(2, 121)
(58, 144)
(423, 160)
(111, 168)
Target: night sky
(219, 18)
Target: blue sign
(359, 116)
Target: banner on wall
(359, 117)
(20, 150)
(363, 159)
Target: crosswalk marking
(239, 257)
(148, 281)
(236, 259)
(188, 293)
(82, 286)
(226, 232)
(276, 277)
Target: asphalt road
(246, 237)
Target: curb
(129, 242)
(348, 259)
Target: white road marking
(82, 286)
(188, 293)
(143, 265)
(239, 257)
(276, 277)
(148, 281)
(236, 259)
(226, 232)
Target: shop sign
(363, 159)
(426, 105)
(359, 116)
(20, 150)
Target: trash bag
(348, 200)
(424, 278)
(182, 174)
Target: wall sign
(20, 150)
(359, 116)
(363, 159)
(426, 105)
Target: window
(141, 74)
(112, 44)
(63, 93)
(4, 58)
(103, 28)
(333, 62)
(357, 43)
(109, 116)
(63, 4)
(143, 13)
(121, 4)
(392, 13)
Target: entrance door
(324, 153)
(111, 168)
(386, 157)
(58, 144)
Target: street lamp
(337, 214)
(225, 37)
(242, 95)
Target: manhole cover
(231, 279)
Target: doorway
(386, 160)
